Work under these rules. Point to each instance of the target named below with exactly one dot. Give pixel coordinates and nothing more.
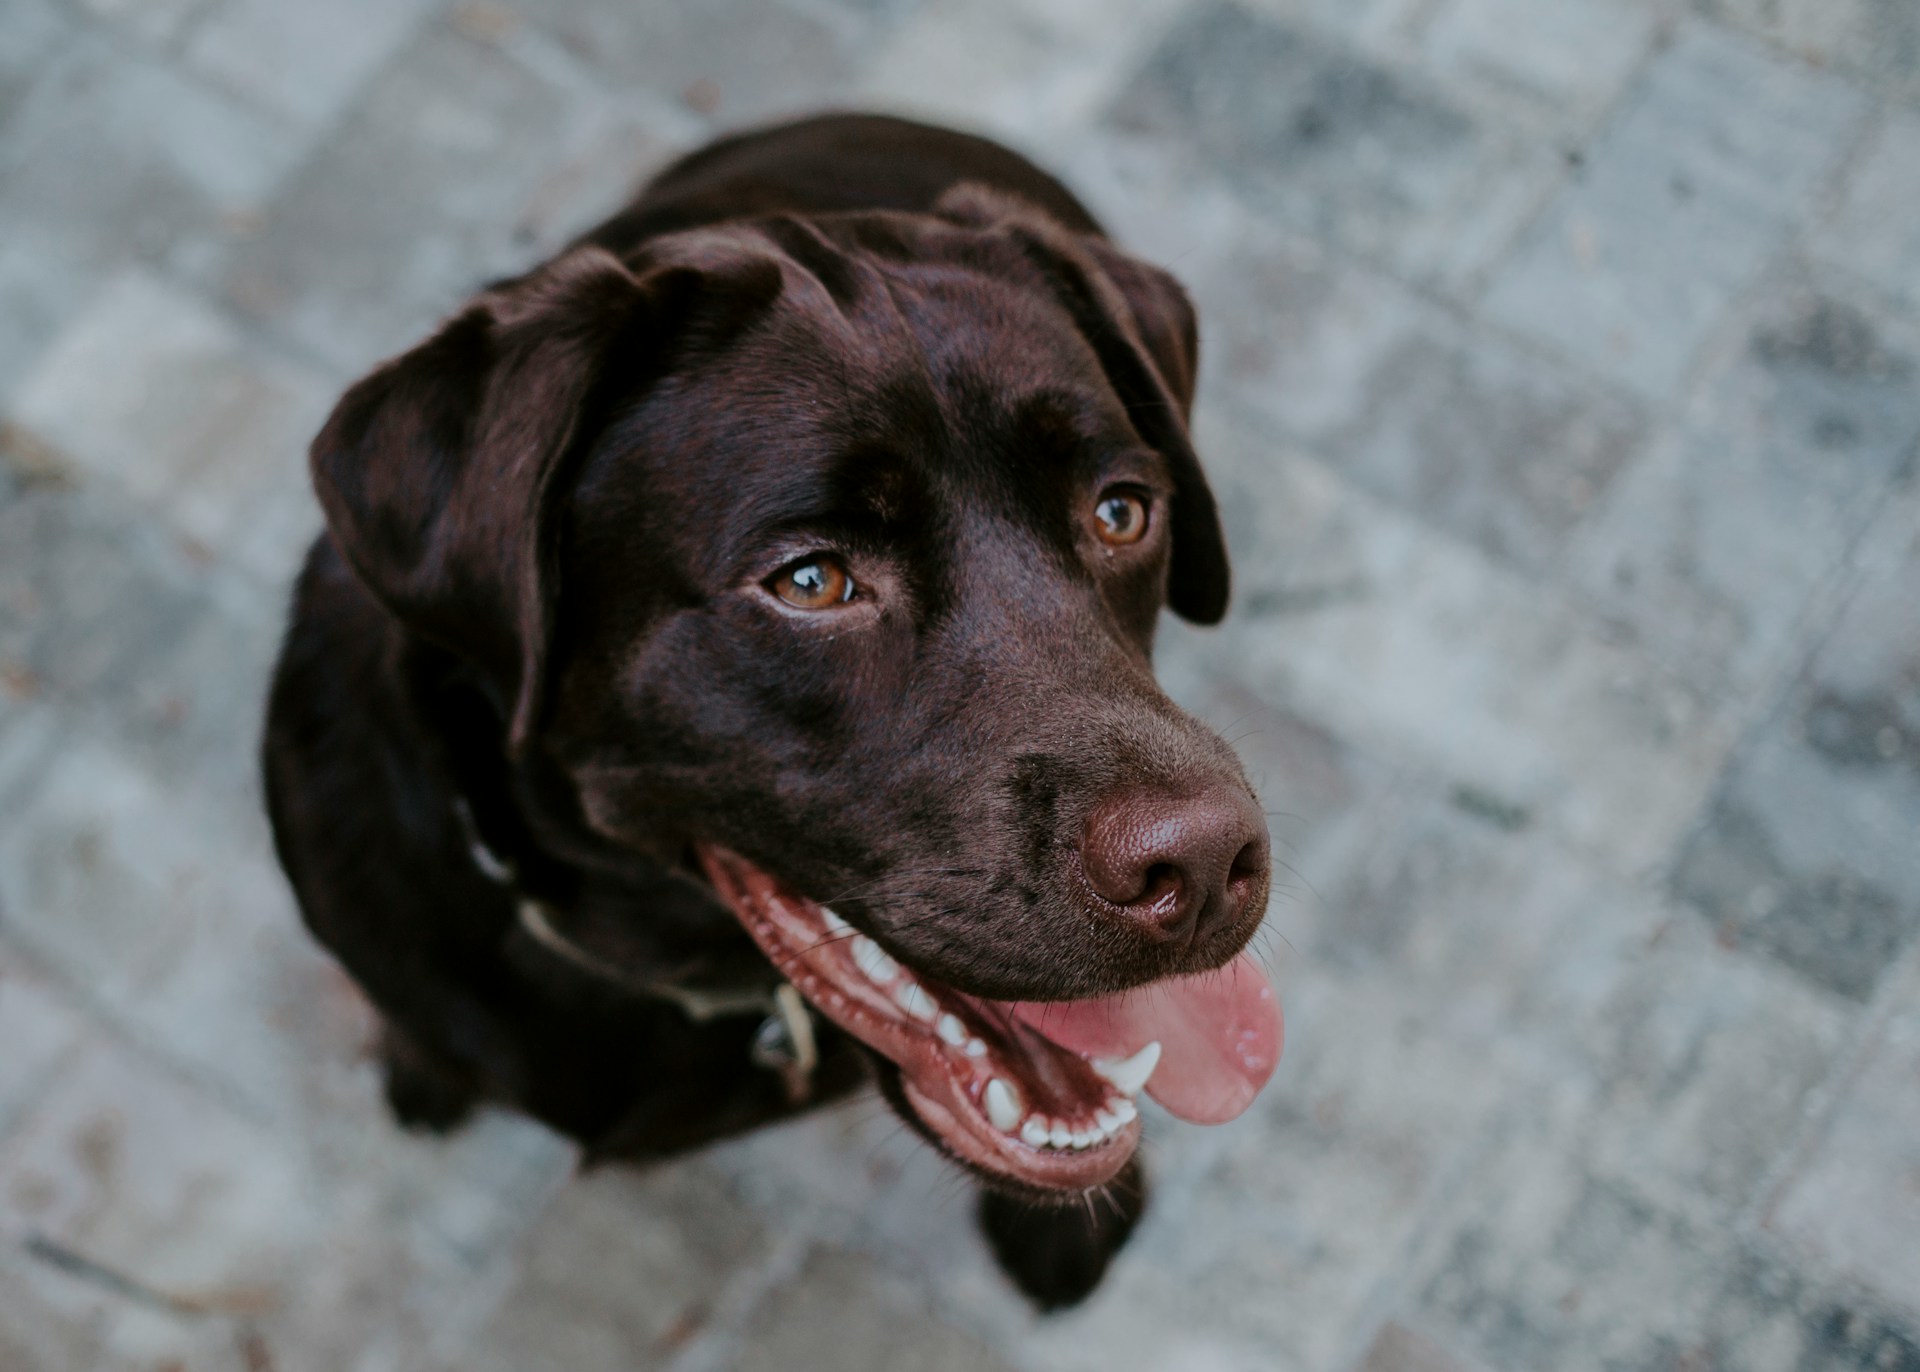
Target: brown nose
(1179, 866)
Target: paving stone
(31, 733)
(1478, 435)
(456, 165)
(1853, 1202)
(1483, 932)
(1400, 1349)
(153, 391)
(1874, 227)
(1423, 651)
(998, 66)
(842, 1311)
(424, 1238)
(1292, 335)
(163, 905)
(1877, 39)
(113, 154)
(59, 1319)
(138, 1172)
(87, 598)
(1692, 187)
(39, 291)
(40, 1027)
(1330, 142)
(733, 61)
(35, 29)
(1377, 25)
(1314, 1199)
(195, 708)
(110, 155)
(397, 1249)
(1707, 1063)
(1563, 62)
(116, 629)
(156, 23)
(114, 880)
(301, 62)
(1717, 547)
(1807, 851)
(1538, 1263)
(619, 1272)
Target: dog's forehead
(874, 388)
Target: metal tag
(784, 1043)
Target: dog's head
(830, 550)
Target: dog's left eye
(815, 583)
(1120, 518)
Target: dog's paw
(423, 1096)
(1058, 1253)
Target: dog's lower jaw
(1055, 1246)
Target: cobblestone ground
(1562, 386)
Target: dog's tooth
(1124, 1110)
(1003, 1105)
(912, 997)
(976, 1048)
(1130, 1074)
(872, 959)
(951, 1030)
(1059, 1136)
(835, 925)
(1034, 1132)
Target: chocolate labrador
(725, 680)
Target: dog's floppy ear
(441, 472)
(1168, 333)
(1162, 315)
(1142, 327)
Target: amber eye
(1120, 518)
(818, 583)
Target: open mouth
(1040, 1093)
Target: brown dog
(793, 540)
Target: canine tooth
(1003, 1105)
(976, 1049)
(1034, 1132)
(951, 1030)
(835, 925)
(1059, 1136)
(1130, 1074)
(872, 959)
(1124, 1110)
(913, 998)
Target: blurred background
(1562, 386)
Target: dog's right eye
(815, 583)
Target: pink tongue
(1219, 1034)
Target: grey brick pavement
(1562, 385)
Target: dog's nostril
(1249, 864)
(1162, 881)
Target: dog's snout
(1179, 866)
